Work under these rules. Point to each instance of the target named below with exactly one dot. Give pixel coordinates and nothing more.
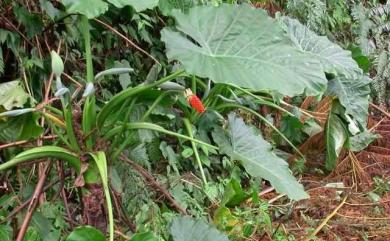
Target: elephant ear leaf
(243, 46)
(189, 229)
(243, 144)
(353, 94)
(88, 8)
(333, 58)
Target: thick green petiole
(188, 126)
(128, 93)
(149, 126)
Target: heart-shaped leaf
(243, 46)
(89, 8)
(188, 229)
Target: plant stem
(87, 43)
(155, 103)
(115, 143)
(130, 92)
(231, 105)
(69, 126)
(89, 106)
(188, 126)
(33, 203)
(150, 179)
(261, 100)
(150, 126)
(193, 84)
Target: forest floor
(352, 203)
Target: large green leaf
(353, 94)
(362, 140)
(23, 127)
(243, 46)
(12, 95)
(256, 155)
(166, 6)
(89, 8)
(86, 233)
(138, 5)
(147, 236)
(336, 135)
(188, 229)
(333, 58)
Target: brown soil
(361, 217)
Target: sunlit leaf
(362, 140)
(333, 58)
(12, 95)
(243, 46)
(188, 229)
(353, 94)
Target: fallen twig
(149, 178)
(18, 143)
(326, 220)
(33, 203)
(380, 109)
(127, 40)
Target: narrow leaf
(43, 152)
(101, 162)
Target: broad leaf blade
(333, 58)
(86, 233)
(257, 157)
(336, 136)
(12, 95)
(362, 140)
(353, 94)
(166, 6)
(243, 46)
(147, 236)
(138, 5)
(188, 229)
(89, 8)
